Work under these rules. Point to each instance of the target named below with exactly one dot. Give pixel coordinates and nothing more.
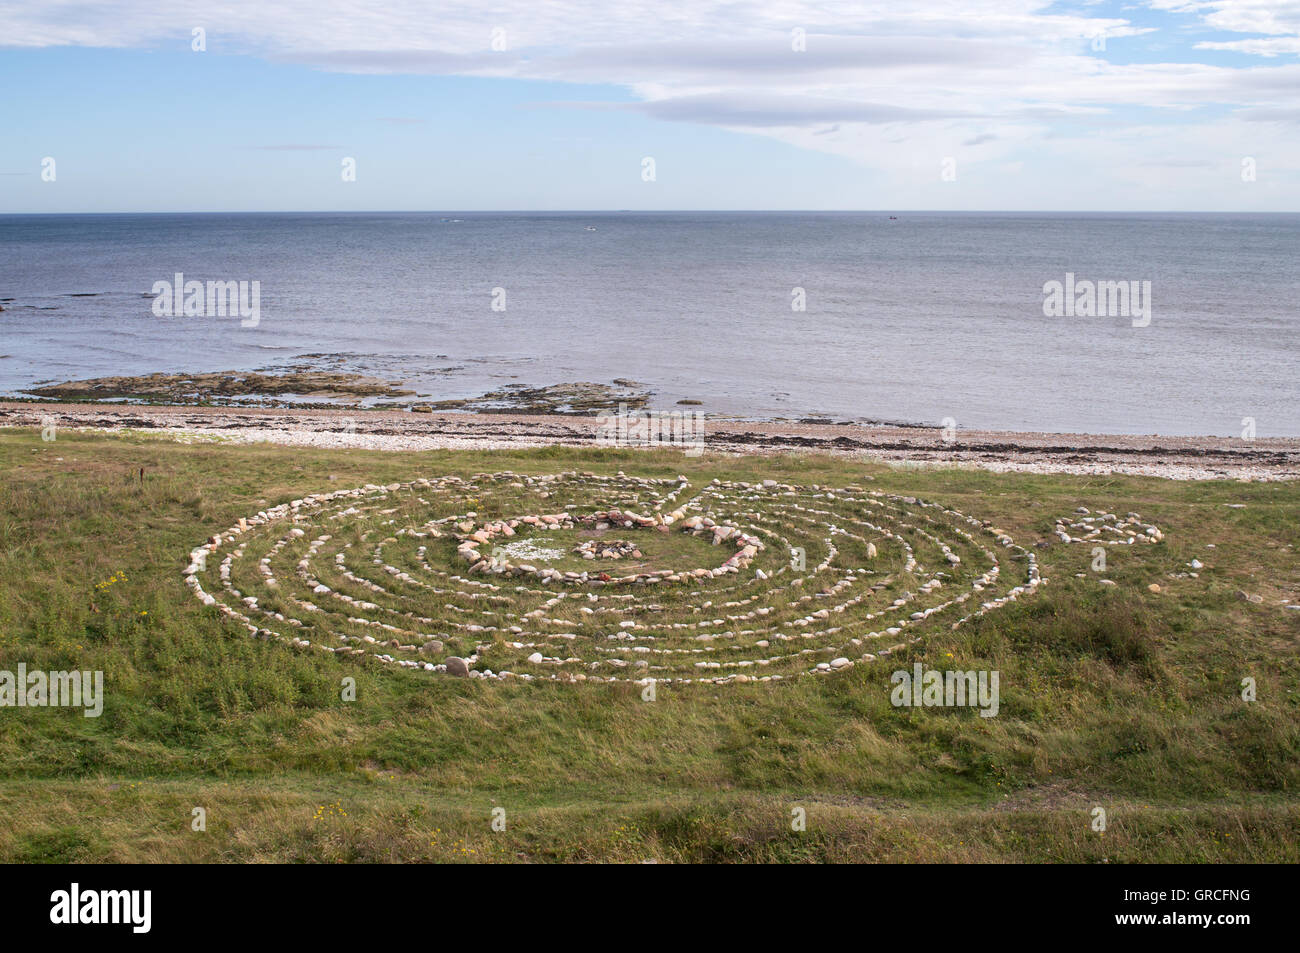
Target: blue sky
(941, 104)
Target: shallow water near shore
(920, 318)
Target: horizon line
(675, 211)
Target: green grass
(1111, 696)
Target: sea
(941, 319)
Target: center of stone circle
(607, 549)
(496, 562)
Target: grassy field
(1112, 696)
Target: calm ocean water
(929, 316)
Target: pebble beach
(1175, 458)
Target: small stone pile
(1106, 528)
(607, 549)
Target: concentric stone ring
(737, 582)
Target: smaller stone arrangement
(607, 549)
(1106, 528)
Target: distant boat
(591, 228)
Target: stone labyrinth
(490, 577)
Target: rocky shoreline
(303, 386)
(1184, 458)
(230, 388)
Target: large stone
(457, 666)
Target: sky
(1161, 105)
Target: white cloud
(893, 86)
(1279, 19)
(1273, 46)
